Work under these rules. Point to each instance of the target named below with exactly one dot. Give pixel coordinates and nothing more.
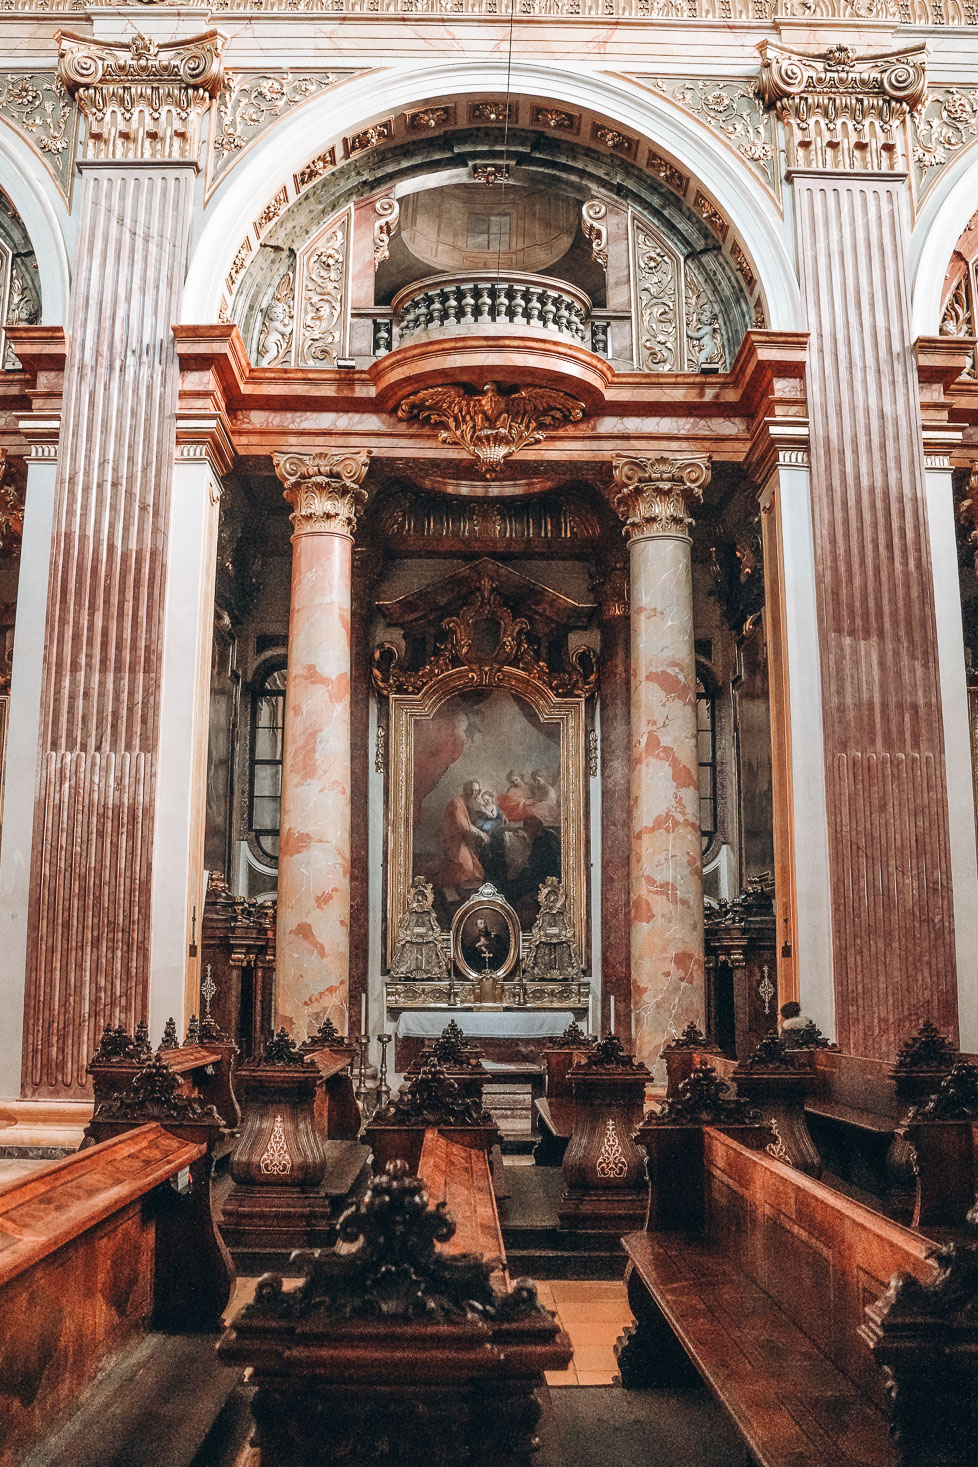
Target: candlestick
(361, 1090)
(590, 1013)
(383, 1089)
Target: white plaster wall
(813, 931)
(23, 738)
(957, 748)
(36, 199)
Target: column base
(42, 1129)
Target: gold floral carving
(594, 223)
(492, 426)
(840, 110)
(322, 296)
(657, 287)
(611, 1165)
(653, 495)
(238, 264)
(143, 101)
(325, 489)
(272, 211)
(39, 106)
(667, 172)
(275, 1159)
(429, 119)
(732, 108)
(945, 124)
(11, 513)
(248, 103)
(315, 169)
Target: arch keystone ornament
(840, 110)
(325, 489)
(143, 101)
(653, 498)
(326, 493)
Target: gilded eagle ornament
(494, 425)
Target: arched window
(706, 741)
(265, 786)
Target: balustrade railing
(467, 304)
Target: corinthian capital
(653, 495)
(142, 101)
(840, 110)
(325, 490)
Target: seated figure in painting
(551, 948)
(419, 953)
(463, 843)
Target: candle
(612, 1013)
(590, 1012)
(363, 1013)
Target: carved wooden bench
(402, 1336)
(98, 1252)
(780, 1302)
(204, 1068)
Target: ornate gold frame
(480, 901)
(567, 712)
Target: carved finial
(809, 1036)
(193, 1031)
(956, 1100)
(115, 1046)
(692, 1037)
(281, 1049)
(771, 1054)
(609, 1054)
(170, 1040)
(704, 1099)
(928, 1049)
(431, 1098)
(573, 1037)
(325, 489)
(652, 496)
(155, 1095)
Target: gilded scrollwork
(734, 109)
(946, 123)
(492, 426)
(325, 490)
(594, 223)
(657, 286)
(652, 496)
(322, 297)
(249, 102)
(39, 106)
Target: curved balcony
(464, 304)
(514, 328)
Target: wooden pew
(429, 1099)
(404, 1336)
(553, 1113)
(204, 1067)
(97, 1251)
(780, 1302)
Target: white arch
(24, 178)
(300, 136)
(939, 226)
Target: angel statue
(419, 953)
(551, 949)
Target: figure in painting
(419, 953)
(485, 946)
(463, 843)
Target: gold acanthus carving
(653, 495)
(143, 102)
(492, 426)
(840, 110)
(467, 640)
(325, 489)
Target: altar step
(536, 1247)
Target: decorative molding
(941, 14)
(556, 119)
(379, 132)
(388, 212)
(315, 169)
(840, 110)
(945, 124)
(667, 172)
(275, 1159)
(39, 106)
(321, 295)
(614, 141)
(658, 292)
(325, 489)
(429, 119)
(492, 426)
(250, 102)
(273, 210)
(238, 265)
(652, 495)
(732, 108)
(594, 217)
(143, 102)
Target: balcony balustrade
(469, 305)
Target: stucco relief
(322, 297)
(38, 105)
(657, 285)
(945, 125)
(250, 102)
(734, 110)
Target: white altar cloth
(498, 1024)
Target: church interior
(488, 733)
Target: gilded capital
(142, 101)
(653, 495)
(325, 490)
(840, 110)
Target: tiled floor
(594, 1315)
(12, 1169)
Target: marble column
(91, 884)
(653, 498)
(893, 941)
(313, 938)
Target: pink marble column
(313, 940)
(652, 496)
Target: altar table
(495, 1024)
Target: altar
(484, 1024)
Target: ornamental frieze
(250, 102)
(39, 106)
